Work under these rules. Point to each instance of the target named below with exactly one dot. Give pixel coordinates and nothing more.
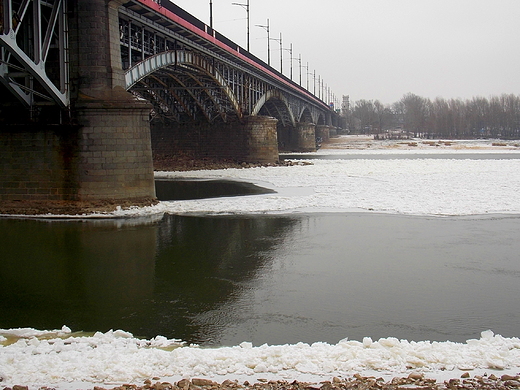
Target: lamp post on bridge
(246, 7)
(300, 66)
(266, 27)
(314, 84)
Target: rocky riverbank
(357, 382)
(414, 381)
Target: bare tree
(364, 111)
(496, 117)
(415, 113)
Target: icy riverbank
(79, 361)
(418, 186)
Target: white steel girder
(28, 30)
(170, 61)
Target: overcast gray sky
(382, 49)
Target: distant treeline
(494, 117)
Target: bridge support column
(115, 155)
(306, 137)
(262, 141)
(114, 146)
(323, 131)
(252, 140)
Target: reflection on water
(203, 263)
(85, 274)
(265, 279)
(357, 275)
(149, 279)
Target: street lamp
(266, 27)
(246, 7)
(314, 85)
(300, 66)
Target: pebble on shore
(414, 381)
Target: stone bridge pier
(253, 139)
(301, 138)
(102, 150)
(115, 156)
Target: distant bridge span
(204, 59)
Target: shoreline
(412, 381)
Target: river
(221, 280)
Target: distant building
(345, 105)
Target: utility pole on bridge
(246, 7)
(211, 15)
(266, 27)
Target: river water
(221, 280)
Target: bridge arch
(305, 116)
(178, 70)
(321, 120)
(274, 103)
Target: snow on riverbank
(419, 186)
(68, 360)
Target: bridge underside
(34, 69)
(204, 107)
(81, 88)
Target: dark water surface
(265, 279)
(200, 189)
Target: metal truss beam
(29, 29)
(201, 80)
(205, 77)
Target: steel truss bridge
(71, 130)
(34, 51)
(188, 71)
